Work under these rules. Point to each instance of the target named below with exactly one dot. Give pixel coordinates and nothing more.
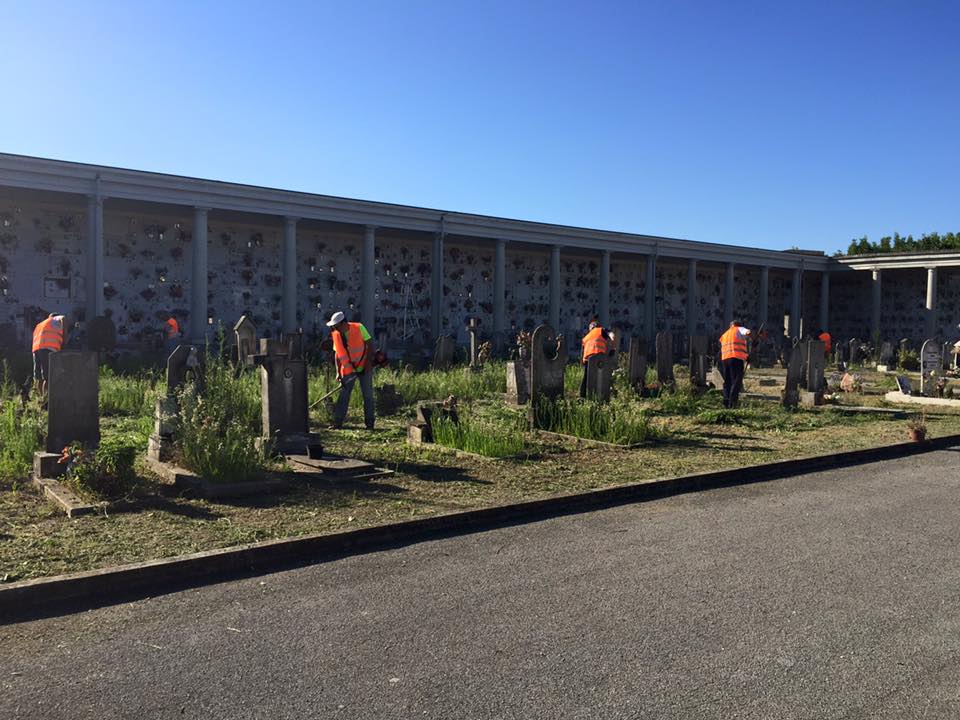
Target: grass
(129, 394)
(476, 436)
(621, 421)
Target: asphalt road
(831, 595)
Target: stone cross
(443, 352)
(637, 363)
(699, 350)
(73, 400)
(599, 376)
(246, 333)
(791, 393)
(930, 362)
(548, 361)
(472, 330)
(665, 359)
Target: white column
(693, 300)
(765, 297)
(198, 278)
(94, 257)
(728, 296)
(795, 303)
(604, 304)
(875, 308)
(368, 279)
(930, 314)
(290, 274)
(436, 286)
(825, 301)
(499, 293)
(554, 318)
(650, 299)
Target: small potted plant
(917, 428)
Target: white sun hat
(335, 319)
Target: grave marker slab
(815, 364)
(73, 411)
(246, 334)
(472, 331)
(791, 393)
(699, 360)
(518, 383)
(930, 362)
(443, 352)
(283, 394)
(600, 376)
(548, 360)
(101, 335)
(665, 359)
(856, 354)
(637, 363)
(887, 356)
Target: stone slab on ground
(63, 497)
(866, 410)
(898, 397)
(337, 467)
(183, 479)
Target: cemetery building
(88, 240)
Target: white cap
(57, 319)
(335, 319)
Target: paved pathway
(834, 595)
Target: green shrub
(217, 431)
(477, 437)
(908, 359)
(620, 421)
(21, 430)
(108, 472)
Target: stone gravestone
(73, 397)
(842, 353)
(283, 395)
(599, 376)
(947, 356)
(930, 362)
(101, 334)
(665, 359)
(904, 385)
(443, 352)
(637, 364)
(856, 356)
(294, 344)
(472, 331)
(183, 365)
(699, 349)
(548, 361)
(518, 383)
(715, 378)
(388, 400)
(246, 333)
(791, 393)
(888, 358)
(815, 364)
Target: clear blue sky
(759, 123)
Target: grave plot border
(44, 597)
(591, 441)
(186, 481)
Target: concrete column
(499, 293)
(436, 286)
(290, 274)
(94, 257)
(693, 299)
(764, 313)
(825, 301)
(368, 279)
(604, 300)
(728, 296)
(650, 299)
(930, 314)
(877, 297)
(554, 318)
(198, 278)
(795, 303)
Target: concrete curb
(79, 591)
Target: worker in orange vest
(597, 341)
(171, 330)
(48, 337)
(353, 351)
(733, 359)
(824, 337)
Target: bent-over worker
(733, 357)
(595, 342)
(353, 351)
(48, 338)
(824, 337)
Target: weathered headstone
(183, 366)
(665, 359)
(73, 396)
(101, 334)
(791, 393)
(518, 383)
(599, 376)
(843, 353)
(699, 360)
(246, 333)
(856, 355)
(548, 361)
(930, 362)
(947, 355)
(388, 401)
(443, 352)
(472, 331)
(888, 358)
(904, 385)
(814, 366)
(283, 394)
(637, 363)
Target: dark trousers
(732, 371)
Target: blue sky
(768, 124)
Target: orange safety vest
(594, 343)
(824, 337)
(349, 357)
(733, 345)
(173, 327)
(46, 336)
